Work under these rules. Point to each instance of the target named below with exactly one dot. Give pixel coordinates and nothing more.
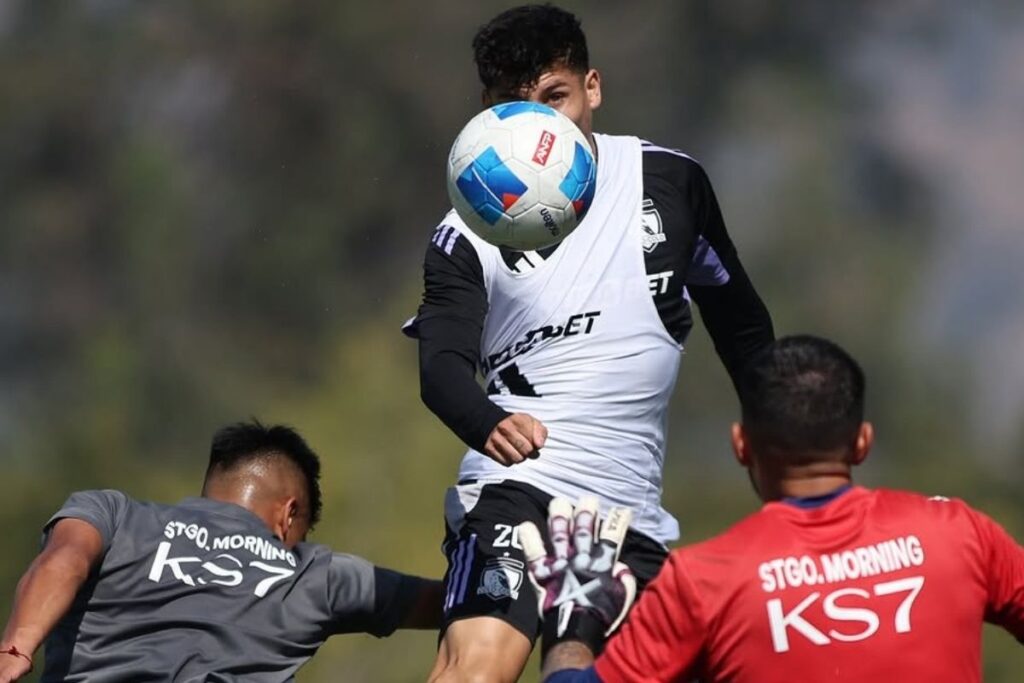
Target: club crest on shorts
(501, 578)
(650, 224)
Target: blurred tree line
(210, 211)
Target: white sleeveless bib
(580, 330)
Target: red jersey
(874, 585)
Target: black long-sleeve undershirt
(448, 325)
(735, 317)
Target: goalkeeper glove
(583, 591)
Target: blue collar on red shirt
(817, 501)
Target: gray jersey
(202, 591)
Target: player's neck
(812, 488)
(244, 495)
(808, 481)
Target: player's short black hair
(802, 396)
(513, 49)
(243, 442)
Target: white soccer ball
(521, 175)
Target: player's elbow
(439, 372)
(56, 568)
(70, 563)
(430, 389)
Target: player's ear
(293, 511)
(740, 446)
(865, 439)
(592, 87)
(285, 517)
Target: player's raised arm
(448, 326)
(585, 594)
(734, 314)
(46, 591)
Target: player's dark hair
(244, 442)
(802, 396)
(514, 48)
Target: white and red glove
(583, 591)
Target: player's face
(574, 94)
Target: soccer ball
(521, 175)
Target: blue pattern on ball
(486, 183)
(581, 181)
(509, 109)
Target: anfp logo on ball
(521, 175)
(547, 141)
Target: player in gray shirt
(217, 588)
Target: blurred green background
(210, 211)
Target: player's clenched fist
(516, 438)
(583, 591)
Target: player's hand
(516, 438)
(583, 591)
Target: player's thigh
(484, 649)
(486, 574)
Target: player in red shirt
(828, 581)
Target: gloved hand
(583, 591)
